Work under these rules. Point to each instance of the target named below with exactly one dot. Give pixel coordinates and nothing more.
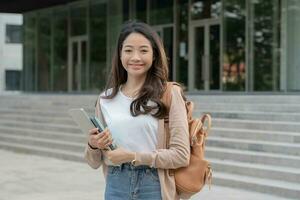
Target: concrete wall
(10, 53)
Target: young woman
(132, 108)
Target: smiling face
(136, 55)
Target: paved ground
(28, 177)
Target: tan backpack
(191, 179)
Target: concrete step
(27, 132)
(45, 126)
(257, 170)
(252, 157)
(48, 112)
(42, 151)
(245, 115)
(247, 99)
(39, 119)
(66, 99)
(62, 104)
(275, 136)
(279, 188)
(38, 142)
(256, 125)
(264, 116)
(244, 107)
(255, 146)
(40, 100)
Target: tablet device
(86, 123)
(82, 119)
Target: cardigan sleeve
(178, 153)
(94, 157)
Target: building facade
(10, 51)
(212, 45)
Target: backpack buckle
(197, 140)
(194, 140)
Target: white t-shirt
(138, 134)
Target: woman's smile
(136, 66)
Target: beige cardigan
(177, 155)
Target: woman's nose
(136, 56)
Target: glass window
(13, 33)
(214, 62)
(182, 57)
(233, 76)
(84, 66)
(98, 38)
(75, 71)
(141, 10)
(161, 11)
(125, 10)
(168, 44)
(265, 39)
(201, 9)
(29, 52)
(114, 24)
(12, 79)
(60, 50)
(78, 20)
(43, 51)
(199, 58)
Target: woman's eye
(144, 51)
(127, 50)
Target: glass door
(78, 69)
(204, 48)
(166, 34)
(214, 57)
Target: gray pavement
(29, 177)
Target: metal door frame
(206, 24)
(78, 40)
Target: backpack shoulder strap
(167, 97)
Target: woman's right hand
(100, 140)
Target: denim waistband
(129, 166)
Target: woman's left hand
(120, 155)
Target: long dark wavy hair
(156, 78)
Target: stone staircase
(254, 143)
(40, 124)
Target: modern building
(10, 51)
(212, 45)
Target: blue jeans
(132, 182)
